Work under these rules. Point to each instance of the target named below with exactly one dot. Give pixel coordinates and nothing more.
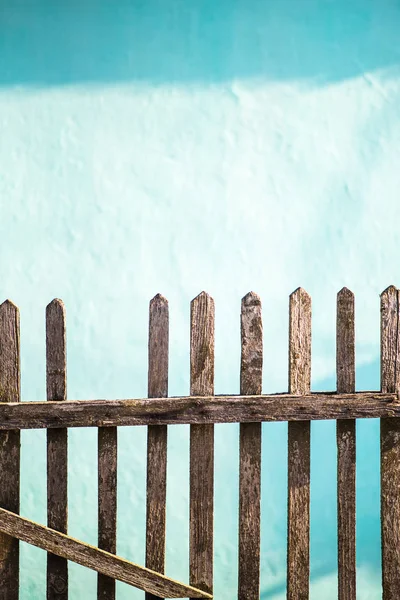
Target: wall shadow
(44, 43)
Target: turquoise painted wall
(153, 146)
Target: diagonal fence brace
(94, 558)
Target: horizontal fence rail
(193, 410)
(201, 410)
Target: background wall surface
(181, 145)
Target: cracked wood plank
(250, 451)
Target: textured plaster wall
(154, 146)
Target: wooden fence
(201, 410)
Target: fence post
(390, 446)
(298, 556)
(346, 449)
(10, 387)
(201, 517)
(250, 452)
(157, 438)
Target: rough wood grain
(390, 446)
(107, 450)
(57, 449)
(250, 452)
(192, 410)
(157, 438)
(107, 504)
(298, 554)
(94, 558)
(196, 410)
(9, 446)
(346, 449)
(201, 515)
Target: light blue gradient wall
(154, 146)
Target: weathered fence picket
(250, 452)
(107, 504)
(57, 447)
(197, 410)
(157, 438)
(201, 512)
(390, 446)
(202, 410)
(346, 449)
(298, 555)
(10, 390)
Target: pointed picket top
(55, 321)
(158, 299)
(55, 308)
(391, 289)
(389, 306)
(202, 303)
(251, 299)
(56, 302)
(300, 292)
(10, 321)
(9, 304)
(345, 292)
(300, 300)
(202, 296)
